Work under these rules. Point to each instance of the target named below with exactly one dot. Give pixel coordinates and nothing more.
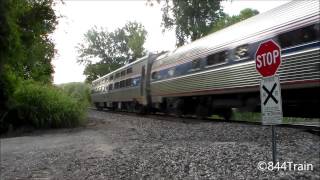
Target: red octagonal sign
(268, 58)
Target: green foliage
(25, 34)
(227, 20)
(77, 90)
(136, 36)
(246, 116)
(26, 50)
(191, 19)
(104, 51)
(44, 106)
(25, 47)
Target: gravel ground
(114, 146)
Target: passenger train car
(217, 72)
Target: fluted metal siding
(303, 66)
(119, 95)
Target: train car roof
(160, 54)
(267, 21)
(123, 67)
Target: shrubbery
(78, 90)
(45, 106)
(27, 96)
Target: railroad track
(192, 119)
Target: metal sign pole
(274, 145)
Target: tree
(191, 19)
(35, 20)
(227, 20)
(25, 47)
(103, 51)
(26, 50)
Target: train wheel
(98, 107)
(201, 112)
(179, 108)
(226, 113)
(142, 110)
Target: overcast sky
(81, 15)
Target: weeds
(46, 106)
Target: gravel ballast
(115, 146)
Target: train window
(129, 70)
(110, 87)
(171, 72)
(111, 78)
(155, 75)
(116, 85)
(217, 58)
(123, 73)
(136, 81)
(196, 64)
(129, 82)
(241, 52)
(117, 75)
(300, 36)
(122, 83)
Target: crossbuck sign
(271, 104)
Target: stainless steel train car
(217, 72)
(124, 88)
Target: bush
(77, 90)
(46, 106)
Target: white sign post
(271, 104)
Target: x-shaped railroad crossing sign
(270, 94)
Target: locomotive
(217, 73)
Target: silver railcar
(217, 72)
(124, 87)
(202, 73)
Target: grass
(46, 106)
(256, 117)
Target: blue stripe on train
(301, 47)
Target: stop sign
(268, 58)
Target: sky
(78, 16)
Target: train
(217, 74)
